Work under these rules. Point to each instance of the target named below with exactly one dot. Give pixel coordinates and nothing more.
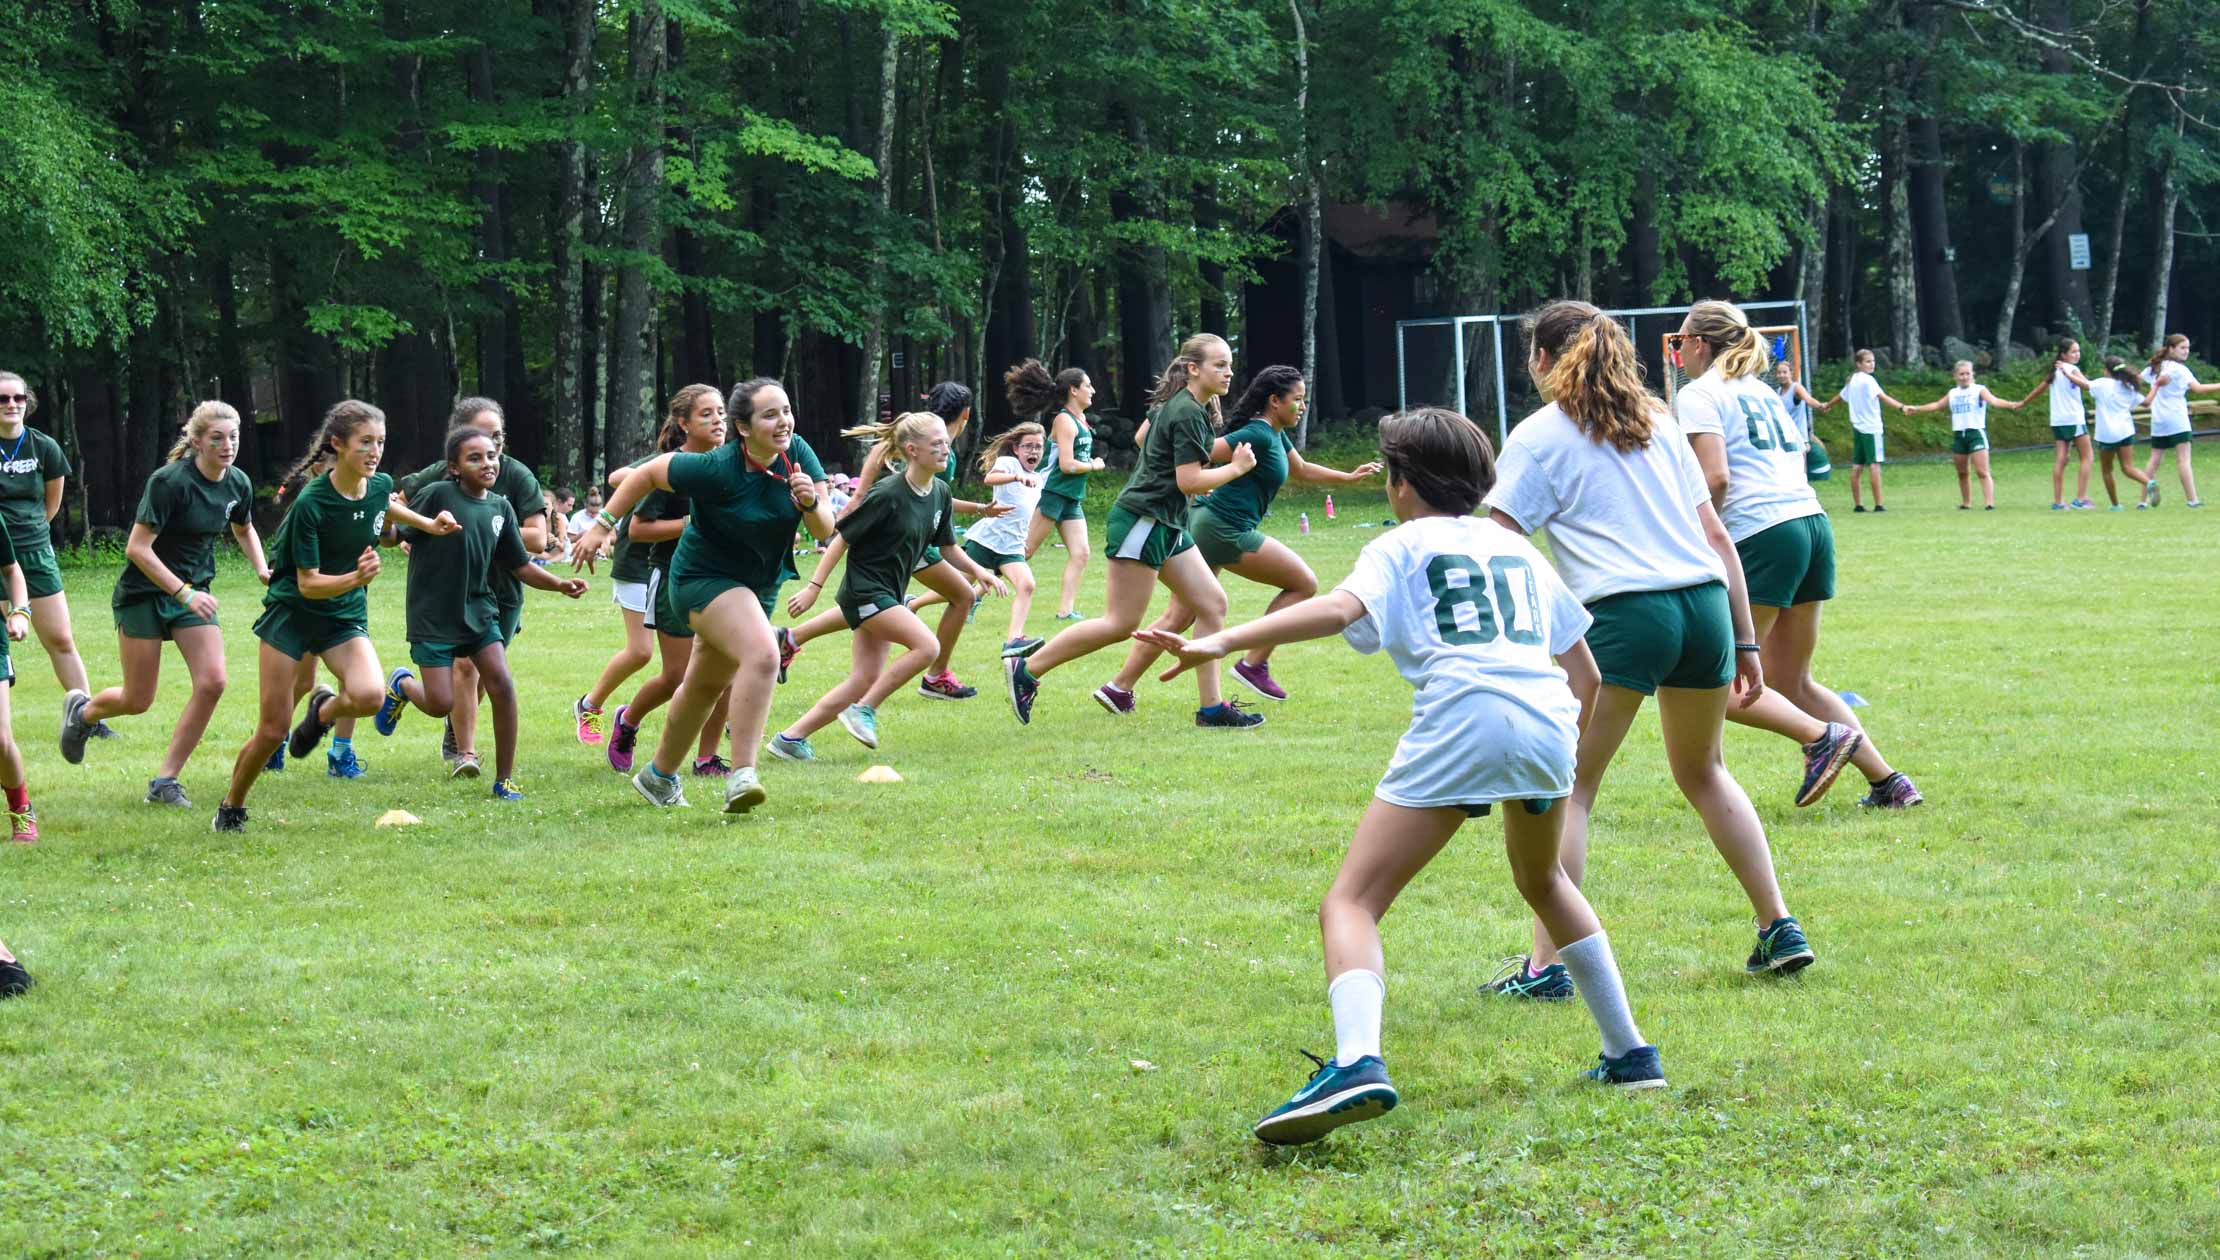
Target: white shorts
(630, 596)
(1481, 748)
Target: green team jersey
(1072, 486)
(27, 462)
(187, 512)
(451, 597)
(325, 531)
(743, 519)
(660, 505)
(628, 562)
(1243, 501)
(887, 535)
(516, 484)
(1180, 435)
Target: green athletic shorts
(42, 573)
(2124, 444)
(1220, 543)
(928, 560)
(673, 600)
(1967, 441)
(1055, 507)
(154, 617)
(991, 561)
(297, 633)
(870, 606)
(1790, 563)
(1644, 640)
(2068, 432)
(1145, 539)
(2158, 443)
(1867, 448)
(664, 615)
(1817, 467)
(512, 624)
(444, 655)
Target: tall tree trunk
(234, 381)
(574, 448)
(2166, 203)
(633, 409)
(1940, 313)
(498, 304)
(2108, 285)
(1844, 240)
(1010, 332)
(874, 327)
(2061, 179)
(1904, 331)
(2016, 261)
(1811, 275)
(1211, 303)
(1642, 240)
(1312, 240)
(1145, 339)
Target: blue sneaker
(1638, 1068)
(1518, 979)
(276, 761)
(1334, 1096)
(861, 721)
(2057, 507)
(396, 702)
(792, 749)
(1781, 948)
(344, 765)
(1023, 687)
(507, 790)
(1227, 715)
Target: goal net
(1784, 342)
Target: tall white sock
(1597, 974)
(1356, 997)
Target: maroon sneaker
(1259, 678)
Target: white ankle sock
(1593, 969)
(1356, 997)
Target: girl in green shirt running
(33, 472)
(1071, 456)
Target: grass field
(1029, 1000)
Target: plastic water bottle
(1304, 521)
(1329, 507)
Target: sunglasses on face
(15, 398)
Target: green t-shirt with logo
(1072, 486)
(1243, 501)
(451, 598)
(887, 535)
(743, 519)
(325, 532)
(27, 462)
(519, 486)
(1180, 435)
(187, 512)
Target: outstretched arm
(652, 475)
(538, 578)
(2005, 403)
(1303, 470)
(1314, 618)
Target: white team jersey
(1969, 409)
(2115, 408)
(1863, 395)
(1006, 533)
(1472, 616)
(2065, 398)
(1616, 521)
(2170, 408)
(1766, 483)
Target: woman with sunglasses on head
(32, 473)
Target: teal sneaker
(507, 790)
(396, 702)
(792, 749)
(1781, 948)
(1516, 978)
(1638, 1068)
(661, 792)
(861, 721)
(345, 765)
(1334, 1096)
(1073, 615)
(1023, 687)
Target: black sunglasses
(15, 398)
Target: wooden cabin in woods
(1376, 272)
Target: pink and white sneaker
(23, 828)
(590, 722)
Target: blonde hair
(1967, 364)
(1737, 349)
(887, 438)
(1006, 441)
(1593, 375)
(196, 426)
(1182, 367)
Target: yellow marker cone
(879, 774)
(398, 818)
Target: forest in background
(577, 206)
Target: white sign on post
(2077, 250)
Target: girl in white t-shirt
(1862, 393)
(1969, 405)
(2117, 393)
(1747, 447)
(2069, 429)
(1011, 464)
(2172, 383)
(1606, 475)
(1489, 637)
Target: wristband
(20, 611)
(818, 585)
(1747, 647)
(603, 518)
(183, 589)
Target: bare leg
(203, 650)
(142, 674)
(2081, 467)
(1874, 471)
(1022, 586)
(733, 648)
(950, 585)
(273, 717)
(2058, 474)
(1194, 585)
(1988, 483)
(1692, 720)
(817, 627)
(1965, 489)
(653, 694)
(464, 716)
(1176, 618)
(1127, 598)
(491, 665)
(1531, 842)
(1787, 646)
(713, 729)
(1074, 534)
(1274, 564)
(1392, 845)
(1615, 711)
(1857, 476)
(638, 650)
(866, 661)
(50, 619)
(2188, 478)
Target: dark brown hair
(1033, 391)
(1439, 454)
(1593, 376)
(459, 437)
(740, 403)
(1277, 381)
(673, 433)
(2158, 356)
(31, 405)
(340, 423)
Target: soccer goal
(1477, 363)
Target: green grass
(903, 1020)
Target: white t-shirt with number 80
(1472, 616)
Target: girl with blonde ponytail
(165, 590)
(1752, 453)
(1605, 473)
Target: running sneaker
(14, 980)
(1782, 948)
(1023, 645)
(711, 767)
(1516, 978)
(100, 730)
(75, 730)
(2082, 505)
(1638, 1068)
(792, 749)
(2195, 503)
(861, 721)
(311, 729)
(2117, 508)
(1893, 792)
(1115, 698)
(591, 725)
(1878, 508)
(1228, 715)
(742, 791)
(971, 614)
(344, 765)
(944, 687)
(2057, 507)
(661, 792)
(1023, 687)
(621, 743)
(788, 648)
(466, 766)
(1334, 1096)
(449, 752)
(1073, 615)
(276, 763)
(2150, 493)
(1259, 679)
(396, 702)
(167, 791)
(1824, 759)
(23, 827)
(230, 818)
(1858, 507)
(507, 790)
